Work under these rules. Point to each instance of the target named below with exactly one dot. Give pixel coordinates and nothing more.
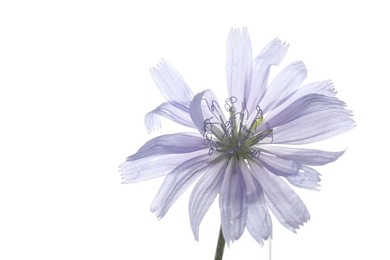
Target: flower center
(237, 135)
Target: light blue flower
(238, 154)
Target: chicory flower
(246, 148)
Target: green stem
(220, 246)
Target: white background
(74, 88)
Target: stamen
(248, 134)
(270, 132)
(256, 153)
(208, 125)
(213, 108)
(247, 112)
(258, 119)
(214, 105)
(267, 133)
(233, 136)
(231, 100)
(209, 137)
(243, 104)
(226, 129)
(213, 147)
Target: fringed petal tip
(160, 65)
(276, 48)
(196, 237)
(280, 43)
(129, 173)
(261, 241)
(127, 176)
(328, 85)
(294, 226)
(152, 122)
(156, 212)
(171, 84)
(299, 225)
(238, 30)
(125, 180)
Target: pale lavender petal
(306, 105)
(153, 166)
(233, 202)
(239, 64)
(253, 190)
(285, 204)
(279, 166)
(294, 171)
(167, 110)
(311, 118)
(306, 177)
(169, 144)
(258, 221)
(204, 194)
(305, 156)
(196, 112)
(316, 127)
(283, 85)
(272, 54)
(177, 181)
(325, 88)
(172, 86)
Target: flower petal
(196, 112)
(258, 222)
(171, 85)
(305, 156)
(279, 166)
(296, 173)
(177, 181)
(239, 64)
(307, 104)
(311, 118)
(153, 166)
(284, 84)
(204, 194)
(233, 202)
(272, 54)
(169, 144)
(285, 204)
(325, 88)
(167, 110)
(205, 106)
(306, 177)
